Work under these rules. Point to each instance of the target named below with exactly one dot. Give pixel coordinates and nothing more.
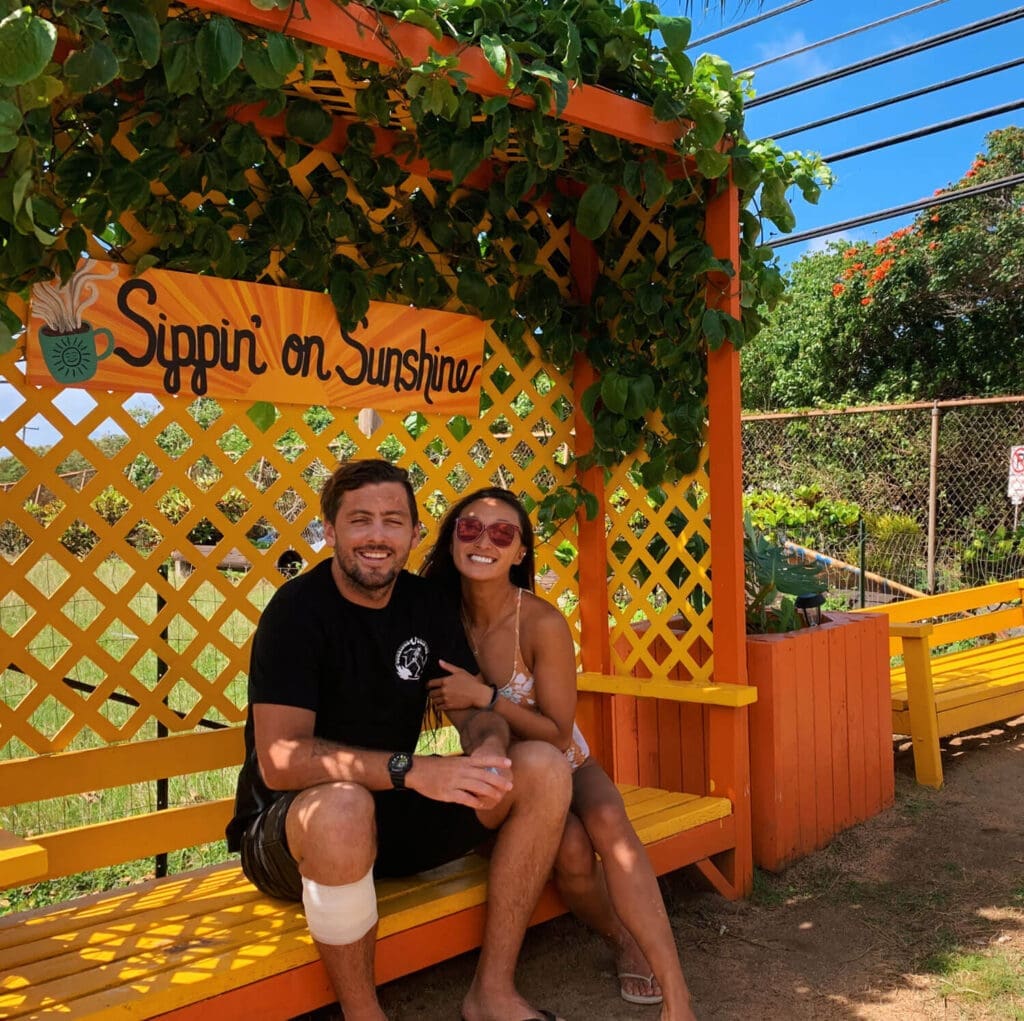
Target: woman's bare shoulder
(541, 617)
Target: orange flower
(935, 217)
(932, 245)
(837, 289)
(858, 265)
(850, 253)
(866, 301)
(971, 173)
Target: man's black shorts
(414, 834)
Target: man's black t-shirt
(362, 671)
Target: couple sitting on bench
(345, 660)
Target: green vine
(74, 73)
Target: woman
(525, 652)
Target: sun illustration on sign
(68, 354)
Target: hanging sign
(177, 333)
(1015, 487)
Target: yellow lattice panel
(659, 574)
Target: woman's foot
(637, 983)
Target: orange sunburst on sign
(176, 333)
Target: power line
(931, 129)
(913, 94)
(909, 207)
(746, 24)
(886, 58)
(842, 35)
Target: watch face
(398, 765)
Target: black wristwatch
(398, 765)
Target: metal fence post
(933, 495)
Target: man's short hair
(354, 475)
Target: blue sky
(900, 173)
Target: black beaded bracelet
(494, 699)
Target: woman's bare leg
(621, 901)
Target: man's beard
(368, 580)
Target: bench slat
(961, 601)
(55, 776)
(731, 695)
(975, 626)
(112, 843)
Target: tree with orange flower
(933, 310)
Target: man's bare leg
(531, 818)
(332, 835)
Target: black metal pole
(162, 791)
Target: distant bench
(204, 940)
(940, 689)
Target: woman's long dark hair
(439, 563)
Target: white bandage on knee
(340, 915)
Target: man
(331, 792)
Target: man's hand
(459, 689)
(479, 781)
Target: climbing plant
(74, 73)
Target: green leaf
(775, 206)
(496, 54)
(10, 121)
(144, 27)
(713, 327)
(39, 93)
(640, 398)
(712, 164)
(559, 83)
(596, 209)
(473, 289)
(308, 121)
(282, 52)
(26, 46)
(90, 69)
(418, 16)
(615, 392)
(263, 415)
(179, 63)
(218, 49)
(260, 66)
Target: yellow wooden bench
(940, 689)
(170, 946)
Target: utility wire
(886, 58)
(910, 207)
(746, 24)
(842, 35)
(913, 94)
(931, 129)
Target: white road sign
(1015, 486)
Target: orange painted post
(729, 766)
(595, 651)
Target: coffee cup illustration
(72, 356)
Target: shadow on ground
(871, 927)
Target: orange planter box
(821, 754)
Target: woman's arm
(548, 652)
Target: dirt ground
(874, 926)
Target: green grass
(994, 978)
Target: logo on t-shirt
(411, 659)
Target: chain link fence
(891, 500)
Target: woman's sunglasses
(501, 533)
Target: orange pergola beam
(356, 30)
